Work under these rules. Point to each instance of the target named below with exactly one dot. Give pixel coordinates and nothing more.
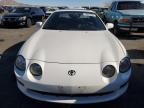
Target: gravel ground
(11, 39)
(11, 36)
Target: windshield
(22, 10)
(130, 5)
(74, 21)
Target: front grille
(76, 95)
(71, 95)
(10, 19)
(138, 20)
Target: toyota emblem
(71, 72)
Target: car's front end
(17, 17)
(131, 23)
(71, 71)
(73, 65)
(13, 20)
(130, 15)
(91, 83)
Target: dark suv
(23, 16)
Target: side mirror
(110, 25)
(39, 24)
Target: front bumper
(131, 27)
(73, 99)
(88, 86)
(13, 22)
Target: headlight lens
(35, 69)
(108, 71)
(20, 63)
(125, 65)
(22, 18)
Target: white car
(73, 59)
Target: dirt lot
(11, 40)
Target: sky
(71, 3)
(64, 2)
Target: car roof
(74, 10)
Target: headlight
(22, 18)
(125, 65)
(108, 71)
(20, 63)
(35, 69)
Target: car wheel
(28, 22)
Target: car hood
(15, 14)
(55, 46)
(132, 12)
(50, 12)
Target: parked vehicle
(100, 12)
(49, 12)
(73, 58)
(0, 19)
(1, 10)
(92, 8)
(23, 16)
(9, 8)
(63, 7)
(86, 7)
(44, 9)
(127, 16)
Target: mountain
(9, 2)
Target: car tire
(28, 22)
